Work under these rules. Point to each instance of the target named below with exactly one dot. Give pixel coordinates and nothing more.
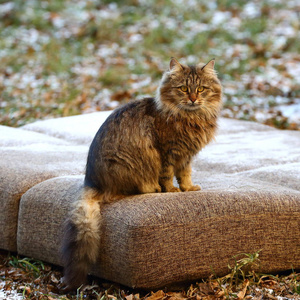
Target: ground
(60, 58)
(24, 278)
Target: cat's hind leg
(146, 188)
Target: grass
(54, 51)
(37, 280)
(27, 264)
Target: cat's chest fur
(141, 125)
(183, 137)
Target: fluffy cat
(139, 149)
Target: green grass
(36, 280)
(48, 39)
(29, 265)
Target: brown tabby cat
(139, 149)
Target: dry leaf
(129, 297)
(271, 297)
(220, 294)
(156, 296)
(242, 293)
(54, 279)
(26, 288)
(175, 296)
(205, 288)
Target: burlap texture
(43, 210)
(250, 201)
(27, 158)
(149, 241)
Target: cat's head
(190, 89)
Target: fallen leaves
(18, 282)
(241, 294)
(211, 289)
(64, 58)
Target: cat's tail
(80, 245)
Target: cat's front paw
(192, 188)
(174, 189)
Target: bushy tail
(82, 238)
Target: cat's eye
(200, 89)
(184, 88)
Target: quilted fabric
(250, 201)
(153, 240)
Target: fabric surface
(27, 158)
(43, 210)
(249, 201)
(76, 129)
(173, 238)
(149, 241)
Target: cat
(139, 149)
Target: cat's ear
(209, 66)
(175, 65)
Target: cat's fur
(139, 149)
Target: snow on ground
(64, 58)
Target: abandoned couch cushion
(250, 201)
(27, 158)
(153, 240)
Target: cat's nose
(193, 97)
